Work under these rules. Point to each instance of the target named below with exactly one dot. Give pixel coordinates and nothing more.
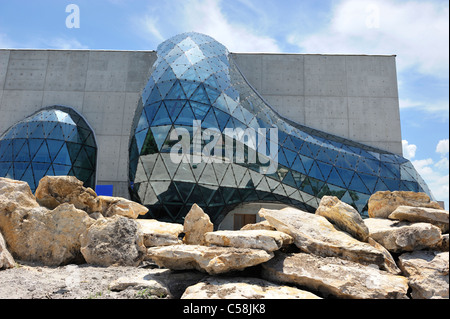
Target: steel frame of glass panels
(54, 141)
(196, 78)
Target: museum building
(194, 123)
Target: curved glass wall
(54, 141)
(202, 134)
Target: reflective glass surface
(53, 141)
(196, 78)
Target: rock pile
(400, 252)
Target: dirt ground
(34, 281)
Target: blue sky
(416, 31)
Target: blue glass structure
(195, 78)
(53, 141)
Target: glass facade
(53, 141)
(196, 79)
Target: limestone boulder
(344, 216)
(264, 225)
(336, 277)
(115, 241)
(158, 233)
(213, 260)
(196, 225)
(6, 259)
(14, 195)
(243, 288)
(398, 236)
(427, 272)
(382, 204)
(51, 237)
(443, 245)
(112, 206)
(316, 235)
(268, 240)
(437, 217)
(55, 190)
(390, 264)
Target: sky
(416, 31)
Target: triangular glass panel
(56, 133)
(289, 180)
(19, 169)
(42, 155)
(212, 94)
(162, 117)
(39, 170)
(335, 179)
(160, 134)
(63, 158)
(140, 139)
(17, 145)
(184, 173)
(358, 185)
(61, 170)
(200, 110)
(222, 118)
(200, 95)
(208, 176)
(196, 196)
(176, 93)
(174, 108)
(370, 182)
(228, 178)
(164, 87)
(189, 87)
(220, 170)
(298, 166)
(325, 169)
(263, 185)
(29, 178)
(23, 155)
(159, 172)
(346, 175)
(210, 121)
(186, 116)
(53, 148)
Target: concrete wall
(350, 96)
(355, 97)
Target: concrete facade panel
(67, 71)
(325, 75)
(283, 74)
(26, 70)
(107, 71)
(4, 60)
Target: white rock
(427, 272)
(268, 240)
(243, 288)
(331, 276)
(213, 260)
(158, 233)
(398, 236)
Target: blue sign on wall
(104, 190)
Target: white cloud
(64, 44)
(409, 151)
(436, 177)
(443, 147)
(207, 16)
(417, 32)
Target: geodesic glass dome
(196, 79)
(53, 141)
